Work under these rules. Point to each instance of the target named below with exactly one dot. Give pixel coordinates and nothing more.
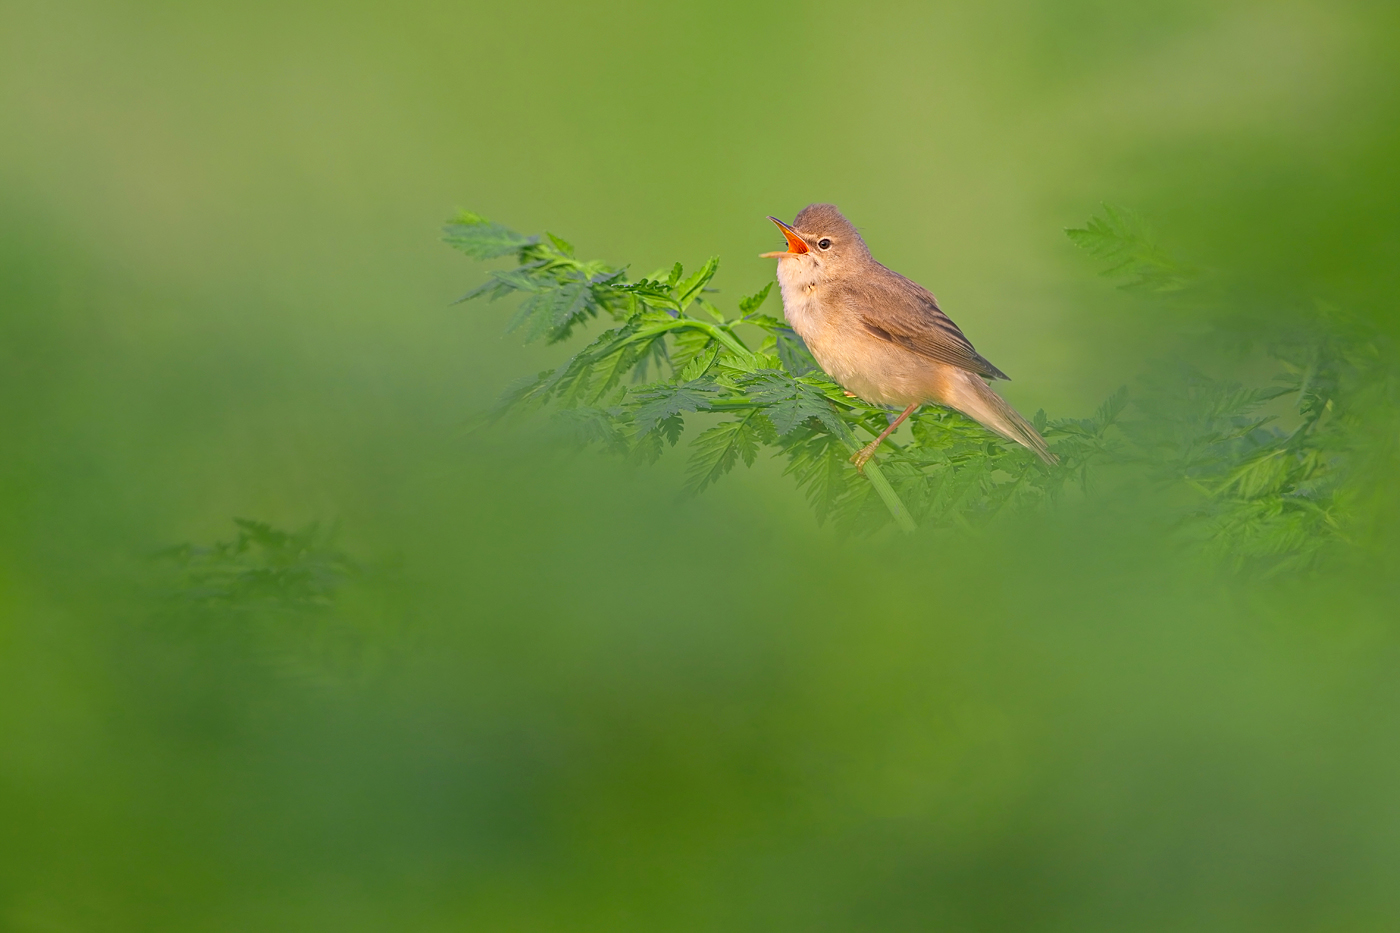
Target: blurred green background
(559, 698)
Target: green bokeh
(559, 698)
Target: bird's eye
(824, 243)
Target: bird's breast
(876, 370)
(819, 321)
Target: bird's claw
(861, 457)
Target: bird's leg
(868, 451)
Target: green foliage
(718, 449)
(479, 238)
(754, 373)
(1259, 494)
(1269, 490)
(263, 568)
(560, 292)
(1123, 238)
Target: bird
(882, 336)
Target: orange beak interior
(795, 243)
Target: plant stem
(898, 512)
(722, 334)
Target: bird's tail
(974, 398)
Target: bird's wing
(894, 309)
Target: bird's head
(820, 238)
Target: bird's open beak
(795, 243)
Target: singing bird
(882, 336)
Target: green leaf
(597, 366)
(748, 363)
(687, 291)
(750, 304)
(653, 351)
(651, 292)
(660, 401)
(671, 427)
(1112, 407)
(503, 282)
(1257, 494)
(792, 350)
(482, 239)
(264, 568)
(563, 246)
(824, 472)
(554, 311)
(715, 314)
(588, 425)
(700, 363)
(716, 451)
(1122, 238)
(789, 403)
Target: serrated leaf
(715, 314)
(822, 467)
(788, 403)
(748, 362)
(1122, 238)
(1111, 408)
(596, 365)
(504, 281)
(671, 427)
(717, 450)
(660, 401)
(652, 293)
(689, 343)
(699, 364)
(675, 275)
(648, 447)
(522, 279)
(587, 425)
(607, 277)
(792, 350)
(687, 291)
(553, 311)
(752, 302)
(490, 288)
(525, 391)
(764, 321)
(563, 246)
(653, 352)
(483, 239)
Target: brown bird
(881, 336)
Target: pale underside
(885, 339)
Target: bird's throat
(799, 283)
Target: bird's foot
(861, 457)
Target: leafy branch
(753, 372)
(1272, 489)
(264, 567)
(1260, 493)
